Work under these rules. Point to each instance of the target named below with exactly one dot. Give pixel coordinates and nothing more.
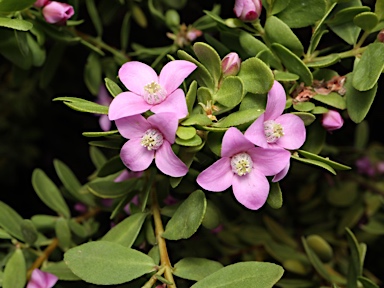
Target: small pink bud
(248, 10)
(332, 120)
(380, 36)
(57, 12)
(41, 3)
(231, 64)
(193, 33)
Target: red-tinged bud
(41, 3)
(248, 10)
(231, 64)
(57, 13)
(380, 36)
(332, 120)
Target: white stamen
(241, 164)
(154, 93)
(273, 131)
(152, 139)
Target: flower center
(241, 164)
(273, 131)
(154, 93)
(152, 139)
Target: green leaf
(316, 163)
(293, 63)
(187, 218)
(331, 163)
(249, 274)
(110, 189)
(100, 133)
(367, 283)
(63, 233)
(321, 247)
(379, 9)
(197, 119)
(185, 133)
(209, 58)
(194, 141)
(10, 49)
(49, 193)
(212, 216)
(17, 24)
(71, 183)
(7, 6)
(256, 75)
(107, 263)
(285, 76)
(369, 68)
(275, 197)
(279, 32)
(195, 268)
(10, 221)
(93, 73)
(15, 272)
(37, 52)
(304, 106)
(355, 267)
(358, 102)
(113, 165)
(231, 92)
(125, 233)
(83, 105)
(319, 110)
(343, 195)
(92, 12)
(51, 64)
(190, 97)
(346, 15)
(308, 118)
(348, 31)
(302, 13)
(29, 231)
(316, 262)
(361, 135)
(97, 157)
(239, 117)
(366, 20)
(61, 270)
(112, 87)
(279, 232)
(316, 135)
(43, 222)
(332, 99)
(325, 61)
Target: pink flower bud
(57, 12)
(231, 64)
(380, 36)
(41, 3)
(332, 120)
(248, 10)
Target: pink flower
(244, 167)
(365, 166)
(41, 3)
(332, 120)
(40, 279)
(104, 99)
(57, 12)
(150, 138)
(231, 64)
(248, 10)
(273, 129)
(151, 92)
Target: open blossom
(151, 92)
(244, 167)
(57, 12)
(332, 120)
(248, 10)
(150, 138)
(40, 279)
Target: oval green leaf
(366, 20)
(61, 270)
(231, 92)
(17, 24)
(195, 268)
(112, 87)
(15, 272)
(209, 58)
(10, 221)
(110, 189)
(275, 197)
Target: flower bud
(231, 64)
(248, 10)
(380, 36)
(57, 12)
(332, 120)
(41, 3)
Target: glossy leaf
(195, 268)
(368, 70)
(83, 105)
(316, 163)
(194, 141)
(185, 133)
(187, 218)
(125, 233)
(112, 87)
(331, 163)
(15, 271)
(110, 189)
(17, 24)
(10, 221)
(249, 274)
(49, 193)
(107, 263)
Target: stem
(159, 229)
(153, 279)
(362, 39)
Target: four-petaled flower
(244, 167)
(151, 92)
(151, 138)
(40, 279)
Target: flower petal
(217, 177)
(135, 75)
(282, 173)
(132, 126)
(40, 279)
(234, 142)
(105, 123)
(127, 104)
(294, 131)
(251, 190)
(168, 162)
(275, 102)
(174, 103)
(269, 161)
(256, 133)
(174, 73)
(135, 156)
(166, 123)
